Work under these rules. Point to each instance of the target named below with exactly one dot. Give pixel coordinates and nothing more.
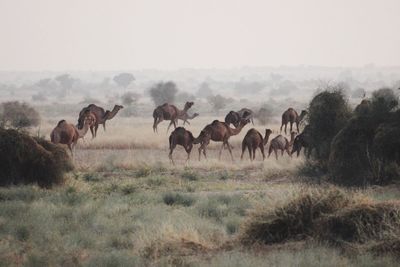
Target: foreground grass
(155, 215)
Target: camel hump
(215, 121)
(164, 105)
(61, 122)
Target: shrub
(328, 113)
(264, 115)
(218, 102)
(163, 93)
(178, 199)
(24, 159)
(124, 79)
(18, 115)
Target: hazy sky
(170, 34)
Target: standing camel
(254, 140)
(281, 143)
(219, 132)
(67, 134)
(101, 116)
(180, 136)
(169, 112)
(291, 116)
(234, 117)
(186, 117)
(302, 140)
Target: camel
(254, 140)
(234, 117)
(101, 116)
(169, 112)
(281, 143)
(68, 134)
(180, 136)
(219, 132)
(186, 117)
(291, 116)
(302, 140)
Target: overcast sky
(171, 34)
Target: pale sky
(170, 34)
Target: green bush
(18, 115)
(178, 199)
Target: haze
(116, 35)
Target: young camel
(180, 136)
(169, 112)
(67, 134)
(281, 143)
(254, 140)
(219, 132)
(291, 116)
(186, 117)
(101, 116)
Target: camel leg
(254, 152)
(220, 150)
(155, 125)
(288, 152)
(170, 153)
(262, 151)
(281, 127)
(276, 153)
(200, 152)
(230, 150)
(243, 149)
(95, 130)
(291, 127)
(297, 126)
(92, 131)
(285, 128)
(172, 122)
(104, 126)
(188, 150)
(249, 149)
(252, 121)
(282, 152)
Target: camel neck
(82, 132)
(266, 138)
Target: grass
(126, 205)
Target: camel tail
(170, 141)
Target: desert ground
(125, 204)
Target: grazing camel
(254, 140)
(169, 112)
(67, 134)
(291, 116)
(101, 116)
(281, 143)
(186, 117)
(180, 136)
(219, 132)
(302, 140)
(234, 117)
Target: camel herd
(92, 116)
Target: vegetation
(18, 115)
(217, 102)
(163, 92)
(124, 79)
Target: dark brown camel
(169, 112)
(180, 136)
(101, 116)
(291, 116)
(254, 140)
(281, 143)
(219, 132)
(234, 117)
(302, 140)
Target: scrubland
(126, 205)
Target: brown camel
(169, 112)
(302, 140)
(219, 132)
(67, 134)
(101, 116)
(180, 136)
(234, 117)
(291, 116)
(254, 140)
(186, 117)
(281, 143)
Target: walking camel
(291, 116)
(186, 117)
(169, 112)
(68, 134)
(254, 140)
(281, 143)
(101, 116)
(217, 131)
(180, 136)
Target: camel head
(81, 119)
(268, 132)
(188, 105)
(303, 113)
(118, 107)
(232, 117)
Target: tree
(18, 115)
(204, 90)
(129, 98)
(163, 93)
(217, 102)
(124, 79)
(66, 82)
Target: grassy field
(126, 205)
